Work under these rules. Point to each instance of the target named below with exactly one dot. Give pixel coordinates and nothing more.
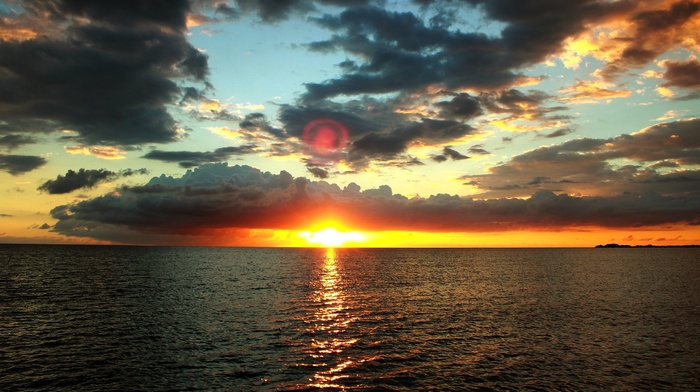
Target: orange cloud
(105, 152)
(635, 37)
(592, 92)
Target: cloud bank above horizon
(487, 115)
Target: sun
(331, 238)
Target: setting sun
(330, 237)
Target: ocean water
(172, 319)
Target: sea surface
(102, 318)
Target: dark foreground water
(154, 319)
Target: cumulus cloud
(215, 197)
(593, 166)
(20, 164)
(401, 53)
(129, 54)
(84, 179)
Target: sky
(425, 123)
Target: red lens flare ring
(325, 136)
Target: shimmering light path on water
(129, 318)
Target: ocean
(111, 318)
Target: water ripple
(161, 319)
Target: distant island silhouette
(645, 246)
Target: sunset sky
(409, 123)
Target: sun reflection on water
(331, 320)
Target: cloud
(592, 92)
(461, 106)
(20, 164)
(398, 52)
(318, 172)
(448, 152)
(559, 133)
(189, 159)
(219, 197)
(84, 179)
(455, 155)
(129, 54)
(636, 163)
(257, 122)
(653, 32)
(209, 109)
(12, 141)
(682, 74)
(535, 30)
(103, 152)
(352, 115)
(685, 74)
(523, 111)
(379, 132)
(213, 11)
(478, 149)
(390, 144)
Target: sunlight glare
(331, 237)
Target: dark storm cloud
(84, 179)
(19, 164)
(589, 166)
(12, 141)
(213, 197)
(189, 159)
(107, 72)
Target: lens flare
(325, 136)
